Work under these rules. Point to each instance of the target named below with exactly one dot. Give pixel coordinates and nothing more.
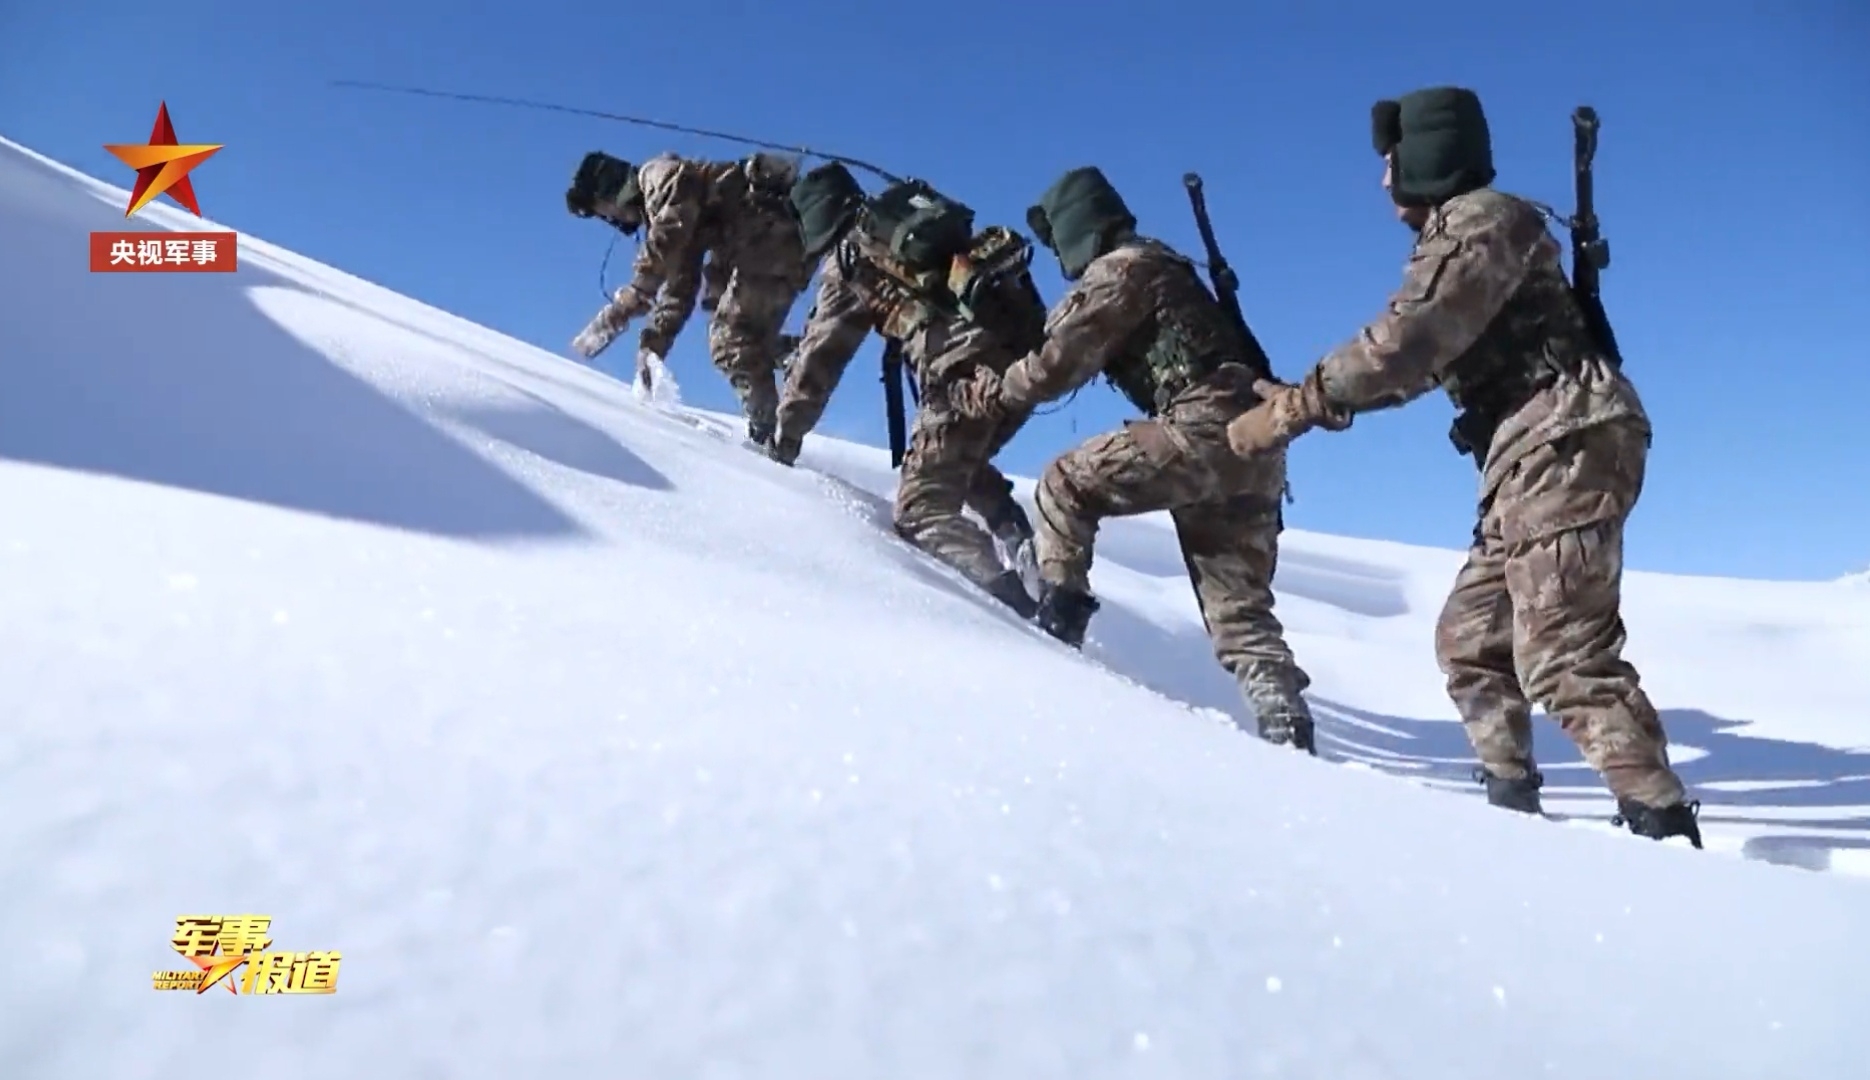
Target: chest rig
(1186, 340)
(1538, 337)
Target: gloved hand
(978, 396)
(625, 305)
(630, 303)
(1284, 413)
(594, 339)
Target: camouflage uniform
(1486, 313)
(1139, 314)
(948, 464)
(735, 212)
(949, 461)
(676, 300)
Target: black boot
(1274, 694)
(1660, 822)
(760, 431)
(784, 449)
(1011, 591)
(1520, 793)
(1297, 732)
(1305, 735)
(1065, 613)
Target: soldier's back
(1538, 360)
(1168, 284)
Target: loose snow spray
(653, 384)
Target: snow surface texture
(603, 747)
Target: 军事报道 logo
(221, 946)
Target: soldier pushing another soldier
(1139, 314)
(1561, 438)
(736, 215)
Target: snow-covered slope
(601, 747)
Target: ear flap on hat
(1385, 126)
(1040, 225)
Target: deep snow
(602, 747)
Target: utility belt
(1486, 401)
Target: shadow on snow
(221, 399)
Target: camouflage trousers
(1536, 614)
(745, 343)
(948, 466)
(1227, 520)
(675, 303)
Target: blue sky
(1734, 184)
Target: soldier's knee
(1451, 648)
(1058, 487)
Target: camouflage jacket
(1135, 314)
(735, 210)
(857, 294)
(1485, 303)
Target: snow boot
(785, 449)
(760, 432)
(1281, 716)
(1065, 613)
(1518, 793)
(1660, 822)
(1285, 729)
(1011, 591)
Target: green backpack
(919, 226)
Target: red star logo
(216, 968)
(162, 165)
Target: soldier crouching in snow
(1486, 313)
(602, 189)
(735, 214)
(1139, 314)
(909, 265)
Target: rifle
(1590, 252)
(895, 374)
(1226, 283)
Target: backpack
(922, 229)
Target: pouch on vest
(991, 282)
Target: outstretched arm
(1467, 265)
(1088, 329)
